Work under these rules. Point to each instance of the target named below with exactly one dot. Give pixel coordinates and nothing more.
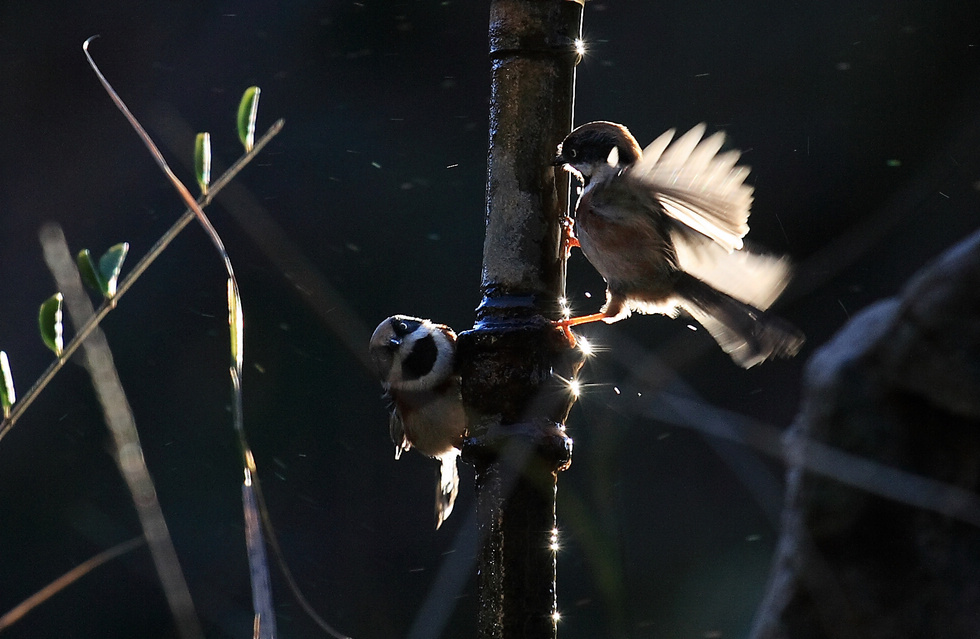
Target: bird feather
(697, 185)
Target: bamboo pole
(513, 362)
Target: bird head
(412, 354)
(587, 150)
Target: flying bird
(664, 228)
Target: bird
(414, 359)
(664, 226)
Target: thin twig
(273, 542)
(122, 426)
(83, 332)
(265, 620)
(161, 162)
(18, 612)
(252, 493)
(680, 405)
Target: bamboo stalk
(513, 362)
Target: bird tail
(747, 334)
(447, 487)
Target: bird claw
(568, 239)
(569, 335)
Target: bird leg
(567, 242)
(566, 324)
(568, 239)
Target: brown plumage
(414, 359)
(664, 227)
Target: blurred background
(861, 121)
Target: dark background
(860, 120)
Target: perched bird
(414, 360)
(664, 227)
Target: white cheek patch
(442, 368)
(613, 158)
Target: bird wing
(753, 278)
(397, 430)
(698, 186)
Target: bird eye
(400, 328)
(573, 153)
(404, 326)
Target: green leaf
(109, 266)
(236, 322)
(86, 267)
(7, 394)
(49, 321)
(248, 111)
(202, 160)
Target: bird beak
(559, 160)
(394, 343)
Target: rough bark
(900, 385)
(510, 360)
